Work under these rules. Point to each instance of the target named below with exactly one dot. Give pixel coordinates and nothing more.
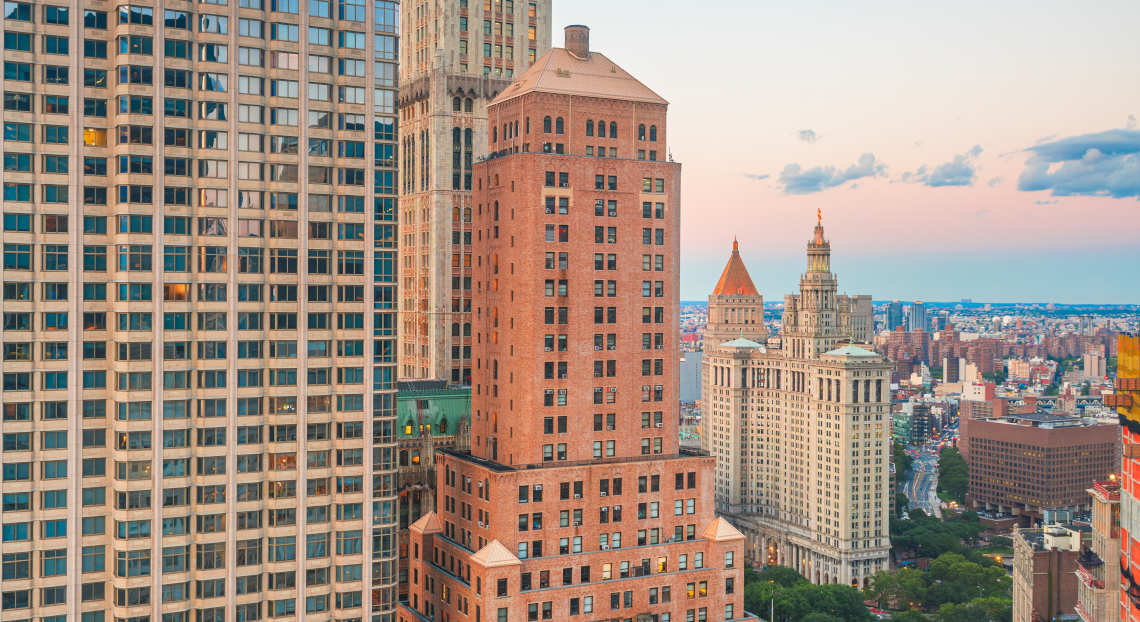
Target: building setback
(1027, 464)
(800, 432)
(575, 499)
(456, 56)
(198, 337)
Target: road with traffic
(922, 488)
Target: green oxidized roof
(432, 407)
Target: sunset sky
(984, 150)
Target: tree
(978, 610)
(819, 616)
(902, 504)
(953, 474)
(781, 575)
(902, 461)
(910, 615)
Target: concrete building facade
(800, 432)
(575, 499)
(456, 56)
(198, 374)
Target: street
(922, 489)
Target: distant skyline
(981, 150)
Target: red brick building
(575, 501)
(1023, 464)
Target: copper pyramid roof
(734, 281)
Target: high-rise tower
(575, 499)
(801, 432)
(198, 373)
(457, 55)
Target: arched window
(613, 129)
(546, 124)
(467, 329)
(589, 127)
(559, 127)
(467, 105)
(506, 135)
(601, 129)
(494, 134)
(653, 132)
(516, 132)
(443, 426)
(455, 329)
(641, 132)
(455, 103)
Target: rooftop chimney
(578, 40)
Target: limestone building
(575, 501)
(800, 431)
(198, 339)
(456, 56)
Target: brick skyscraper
(457, 55)
(575, 499)
(198, 325)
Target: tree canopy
(952, 587)
(953, 474)
(797, 599)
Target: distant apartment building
(916, 319)
(894, 315)
(456, 55)
(1093, 366)
(1025, 464)
(779, 418)
(914, 423)
(1045, 572)
(1098, 571)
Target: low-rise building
(429, 416)
(1098, 572)
(1044, 572)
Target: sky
(983, 150)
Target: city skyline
(832, 86)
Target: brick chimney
(578, 40)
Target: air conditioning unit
(658, 424)
(577, 523)
(549, 349)
(480, 523)
(605, 547)
(577, 496)
(604, 493)
(597, 347)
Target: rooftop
(735, 281)
(741, 342)
(851, 350)
(560, 72)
